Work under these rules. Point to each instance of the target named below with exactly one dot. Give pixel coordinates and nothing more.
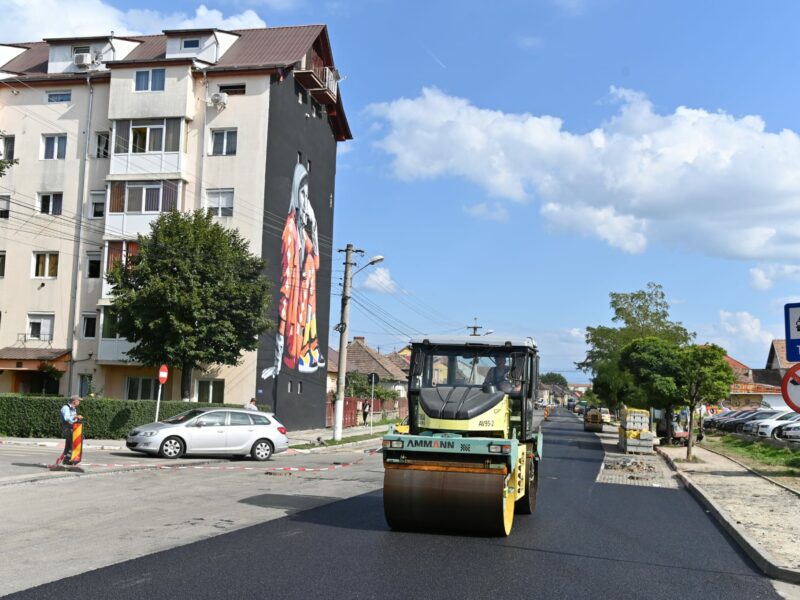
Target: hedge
(105, 418)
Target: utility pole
(475, 328)
(338, 408)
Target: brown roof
(778, 349)
(275, 46)
(767, 377)
(400, 362)
(333, 361)
(16, 353)
(33, 60)
(363, 359)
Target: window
(85, 384)
(220, 203)
(89, 326)
(233, 89)
(151, 196)
(110, 319)
(260, 420)
(5, 206)
(151, 135)
(62, 96)
(289, 386)
(103, 144)
(223, 142)
(141, 388)
(7, 148)
(45, 265)
(189, 44)
(81, 50)
(299, 387)
(2, 264)
(50, 204)
(97, 205)
(212, 419)
(93, 262)
(120, 252)
(40, 327)
(211, 391)
(55, 147)
(151, 80)
(239, 419)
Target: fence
(386, 409)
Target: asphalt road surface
(586, 540)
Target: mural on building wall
(296, 341)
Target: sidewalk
(296, 438)
(761, 516)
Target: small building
(363, 359)
(754, 388)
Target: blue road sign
(792, 315)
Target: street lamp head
(375, 260)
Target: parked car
(779, 431)
(792, 433)
(770, 427)
(719, 421)
(605, 414)
(751, 427)
(571, 404)
(713, 422)
(736, 425)
(235, 432)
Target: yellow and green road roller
(470, 459)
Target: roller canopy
(457, 402)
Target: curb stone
(758, 555)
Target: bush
(105, 418)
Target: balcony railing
(321, 82)
(42, 337)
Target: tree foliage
(194, 295)
(554, 379)
(357, 386)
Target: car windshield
(184, 416)
(436, 365)
(788, 417)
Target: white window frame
(81, 50)
(56, 137)
(148, 137)
(48, 254)
(94, 198)
(214, 202)
(211, 383)
(192, 47)
(98, 256)
(57, 96)
(127, 385)
(149, 87)
(145, 186)
(40, 318)
(4, 145)
(50, 200)
(84, 317)
(99, 146)
(5, 206)
(224, 132)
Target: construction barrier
(77, 443)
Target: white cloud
(32, 20)
(489, 212)
(743, 327)
(764, 277)
(700, 180)
(380, 280)
(571, 7)
(529, 42)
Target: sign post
(163, 375)
(792, 317)
(790, 388)
(373, 379)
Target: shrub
(105, 418)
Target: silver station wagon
(212, 431)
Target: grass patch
(784, 462)
(345, 440)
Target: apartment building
(110, 132)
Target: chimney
(359, 338)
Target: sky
(517, 161)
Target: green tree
(554, 379)
(194, 295)
(359, 387)
(5, 163)
(705, 377)
(655, 365)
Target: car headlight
(148, 433)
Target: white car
(792, 433)
(208, 431)
(769, 427)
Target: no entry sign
(790, 387)
(163, 373)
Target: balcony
(114, 350)
(321, 82)
(146, 163)
(26, 338)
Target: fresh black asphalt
(585, 540)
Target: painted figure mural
(296, 343)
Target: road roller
(470, 458)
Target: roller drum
(441, 500)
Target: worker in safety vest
(69, 416)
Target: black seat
(457, 402)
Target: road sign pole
(163, 374)
(158, 400)
(372, 406)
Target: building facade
(111, 132)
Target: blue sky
(517, 161)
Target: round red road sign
(790, 388)
(163, 373)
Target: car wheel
(261, 450)
(171, 448)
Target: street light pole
(338, 408)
